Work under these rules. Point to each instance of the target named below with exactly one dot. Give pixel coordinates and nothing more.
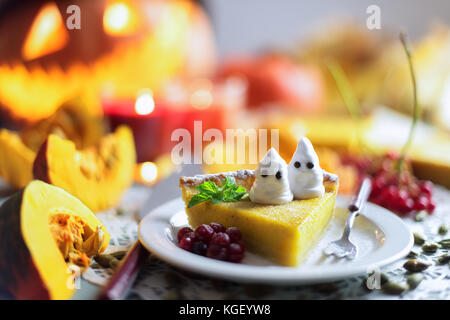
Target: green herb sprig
(209, 191)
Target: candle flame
(144, 104)
(148, 172)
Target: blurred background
(80, 69)
(254, 25)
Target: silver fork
(343, 247)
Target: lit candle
(144, 118)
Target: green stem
(416, 110)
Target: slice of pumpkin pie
(282, 232)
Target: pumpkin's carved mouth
(76, 241)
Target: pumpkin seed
(384, 278)
(114, 263)
(414, 280)
(107, 261)
(420, 216)
(415, 265)
(119, 254)
(443, 229)
(443, 259)
(94, 243)
(430, 247)
(412, 254)
(419, 239)
(103, 260)
(445, 244)
(395, 287)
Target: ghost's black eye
(278, 175)
(297, 164)
(264, 175)
(310, 165)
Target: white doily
(158, 280)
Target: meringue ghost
(271, 184)
(304, 172)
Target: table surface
(158, 280)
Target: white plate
(381, 237)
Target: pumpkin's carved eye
(310, 165)
(47, 34)
(297, 164)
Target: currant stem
(416, 110)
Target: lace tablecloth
(158, 280)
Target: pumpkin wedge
(97, 176)
(46, 235)
(16, 160)
(18, 148)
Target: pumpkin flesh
(97, 176)
(31, 259)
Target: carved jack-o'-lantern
(121, 47)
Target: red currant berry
(236, 258)
(186, 243)
(403, 194)
(421, 203)
(204, 233)
(236, 248)
(217, 252)
(199, 247)
(241, 243)
(379, 182)
(389, 195)
(426, 187)
(414, 190)
(431, 206)
(221, 239)
(217, 227)
(182, 232)
(234, 233)
(406, 205)
(236, 252)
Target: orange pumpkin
(122, 46)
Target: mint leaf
(234, 193)
(199, 198)
(219, 196)
(207, 187)
(239, 193)
(229, 182)
(209, 191)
